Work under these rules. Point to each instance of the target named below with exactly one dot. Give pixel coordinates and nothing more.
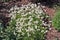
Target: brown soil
(49, 11)
(51, 34)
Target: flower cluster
(28, 20)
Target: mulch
(52, 34)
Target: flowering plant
(26, 23)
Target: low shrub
(26, 24)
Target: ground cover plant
(25, 24)
(56, 20)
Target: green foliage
(56, 20)
(11, 33)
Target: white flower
(18, 24)
(13, 12)
(49, 25)
(47, 16)
(36, 22)
(46, 31)
(38, 7)
(38, 16)
(42, 17)
(18, 11)
(35, 5)
(13, 17)
(21, 19)
(36, 12)
(26, 8)
(23, 33)
(25, 14)
(38, 3)
(22, 23)
(42, 21)
(30, 29)
(42, 30)
(27, 30)
(29, 23)
(40, 12)
(45, 24)
(1, 31)
(38, 29)
(50, 21)
(30, 13)
(16, 8)
(22, 13)
(31, 19)
(12, 9)
(35, 26)
(28, 34)
(32, 5)
(10, 15)
(14, 33)
(19, 30)
(50, 28)
(22, 5)
(43, 6)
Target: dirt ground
(52, 34)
